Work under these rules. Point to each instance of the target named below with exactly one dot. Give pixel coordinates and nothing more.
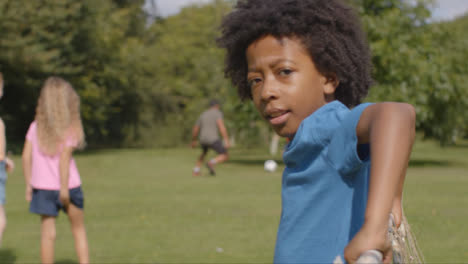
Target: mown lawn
(143, 206)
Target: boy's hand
(227, 144)
(397, 212)
(193, 144)
(367, 239)
(64, 198)
(28, 193)
(10, 165)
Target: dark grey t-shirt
(208, 126)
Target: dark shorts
(216, 146)
(46, 202)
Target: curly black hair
(329, 30)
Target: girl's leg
(2, 223)
(76, 217)
(47, 238)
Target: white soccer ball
(270, 165)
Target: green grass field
(143, 206)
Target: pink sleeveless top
(45, 168)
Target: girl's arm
(10, 165)
(64, 169)
(27, 167)
(390, 130)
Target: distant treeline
(144, 79)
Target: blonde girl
(52, 179)
(6, 165)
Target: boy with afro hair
(306, 66)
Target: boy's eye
(285, 72)
(253, 82)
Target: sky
(443, 10)
(449, 9)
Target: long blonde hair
(58, 115)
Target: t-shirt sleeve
(344, 153)
(31, 132)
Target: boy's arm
(195, 130)
(2, 140)
(223, 131)
(64, 169)
(390, 130)
(27, 167)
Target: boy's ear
(331, 82)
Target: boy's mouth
(277, 117)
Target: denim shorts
(47, 202)
(3, 178)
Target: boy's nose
(269, 90)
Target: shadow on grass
(96, 151)
(412, 163)
(7, 255)
(66, 261)
(252, 162)
(430, 163)
(461, 145)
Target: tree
(36, 41)
(417, 62)
(99, 46)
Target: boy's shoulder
(331, 120)
(329, 116)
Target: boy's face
(285, 84)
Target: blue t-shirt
(324, 187)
